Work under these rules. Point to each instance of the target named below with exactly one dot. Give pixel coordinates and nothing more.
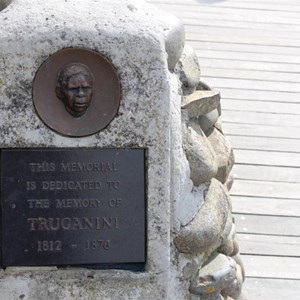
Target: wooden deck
(250, 51)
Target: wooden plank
(258, 106)
(264, 143)
(269, 245)
(222, 9)
(281, 36)
(208, 62)
(193, 2)
(265, 206)
(253, 130)
(245, 16)
(237, 47)
(252, 94)
(266, 119)
(267, 158)
(272, 289)
(267, 225)
(250, 75)
(236, 18)
(272, 267)
(267, 173)
(205, 35)
(260, 85)
(266, 189)
(233, 14)
(273, 6)
(207, 20)
(239, 64)
(233, 55)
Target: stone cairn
(208, 241)
(204, 251)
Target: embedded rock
(227, 230)
(219, 108)
(205, 230)
(229, 181)
(208, 120)
(202, 86)
(229, 246)
(200, 103)
(188, 70)
(175, 39)
(236, 247)
(219, 273)
(190, 270)
(223, 151)
(234, 289)
(237, 258)
(218, 124)
(202, 158)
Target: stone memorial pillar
(114, 167)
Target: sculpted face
(78, 94)
(75, 89)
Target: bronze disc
(106, 93)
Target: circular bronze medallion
(76, 92)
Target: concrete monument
(103, 113)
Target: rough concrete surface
(132, 35)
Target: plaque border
(135, 266)
(105, 101)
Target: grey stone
(228, 226)
(175, 39)
(219, 108)
(190, 270)
(4, 3)
(237, 258)
(205, 230)
(228, 247)
(202, 86)
(234, 289)
(229, 182)
(218, 124)
(188, 70)
(200, 103)
(201, 157)
(224, 153)
(208, 120)
(217, 274)
(236, 248)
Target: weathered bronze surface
(68, 207)
(76, 92)
(75, 88)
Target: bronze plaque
(72, 206)
(76, 92)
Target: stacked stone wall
(208, 240)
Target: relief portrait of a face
(76, 92)
(75, 88)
